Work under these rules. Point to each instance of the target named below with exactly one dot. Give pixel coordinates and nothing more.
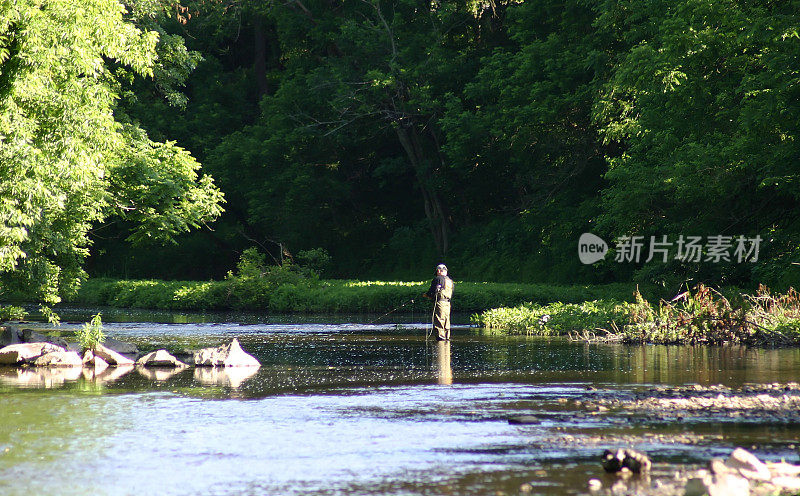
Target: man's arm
(436, 285)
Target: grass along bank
(257, 286)
(700, 315)
(286, 294)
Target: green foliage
(553, 319)
(11, 312)
(703, 91)
(252, 264)
(317, 260)
(285, 292)
(696, 316)
(394, 135)
(91, 334)
(67, 162)
(703, 315)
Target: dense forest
(376, 138)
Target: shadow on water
(350, 408)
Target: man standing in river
(441, 291)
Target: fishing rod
(429, 330)
(390, 311)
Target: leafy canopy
(67, 162)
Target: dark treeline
(397, 133)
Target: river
(344, 407)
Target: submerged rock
(524, 420)
(20, 353)
(121, 347)
(615, 461)
(31, 336)
(10, 335)
(160, 358)
(227, 355)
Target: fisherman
(441, 291)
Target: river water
(344, 407)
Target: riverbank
(328, 295)
(612, 312)
(697, 316)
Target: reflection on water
(53, 377)
(159, 374)
(38, 377)
(444, 371)
(108, 374)
(356, 409)
(230, 376)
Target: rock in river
(748, 465)
(121, 347)
(227, 355)
(10, 335)
(111, 356)
(31, 336)
(59, 359)
(23, 352)
(160, 358)
(90, 360)
(524, 420)
(614, 461)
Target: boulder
(90, 360)
(10, 335)
(614, 461)
(227, 355)
(121, 347)
(524, 420)
(748, 465)
(31, 336)
(719, 481)
(783, 469)
(23, 352)
(111, 356)
(59, 359)
(786, 484)
(160, 358)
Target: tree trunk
(434, 207)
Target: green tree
(66, 162)
(521, 140)
(704, 107)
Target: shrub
(91, 334)
(11, 312)
(555, 318)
